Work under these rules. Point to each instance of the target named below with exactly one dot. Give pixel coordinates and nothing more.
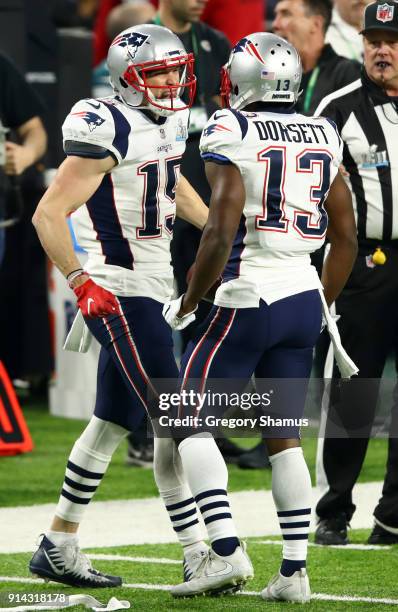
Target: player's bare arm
(75, 182)
(190, 205)
(226, 206)
(342, 235)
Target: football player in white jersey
(276, 195)
(121, 183)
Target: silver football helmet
(142, 50)
(262, 67)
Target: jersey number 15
(151, 226)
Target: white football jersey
(287, 162)
(126, 226)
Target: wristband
(73, 272)
(73, 276)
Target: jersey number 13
(307, 224)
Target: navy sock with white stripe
(291, 490)
(207, 476)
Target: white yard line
(167, 587)
(144, 521)
(161, 560)
(345, 547)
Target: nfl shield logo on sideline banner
(385, 12)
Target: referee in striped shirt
(366, 114)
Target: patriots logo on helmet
(215, 127)
(245, 45)
(92, 119)
(133, 40)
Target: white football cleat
(293, 588)
(193, 560)
(216, 575)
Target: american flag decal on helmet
(92, 119)
(133, 40)
(245, 45)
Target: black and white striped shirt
(368, 123)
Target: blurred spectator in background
(75, 13)
(101, 38)
(343, 32)
(304, 23)
(269, 12)
(121, 17)
(24, 340)
(235, 18)
(127, 15)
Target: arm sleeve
(93, 123)
(222, 137)
(19, 102)
(83, 149)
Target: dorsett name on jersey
(126, 226)
(287, 162)
(308, 133)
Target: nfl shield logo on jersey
(385, 12)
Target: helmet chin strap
(163, 112)
(241, 100)
(150, 102)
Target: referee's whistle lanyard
(195, 48)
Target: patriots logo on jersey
(133, 40)
(92, 119)
(215, 127)
(245, 45)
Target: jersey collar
(158, 120)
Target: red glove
(94, 301)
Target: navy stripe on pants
(137, 347)
(272, 341)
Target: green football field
(341, 578)
(334, 573)
(41, 472)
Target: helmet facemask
(137, 74)
(225, 87)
